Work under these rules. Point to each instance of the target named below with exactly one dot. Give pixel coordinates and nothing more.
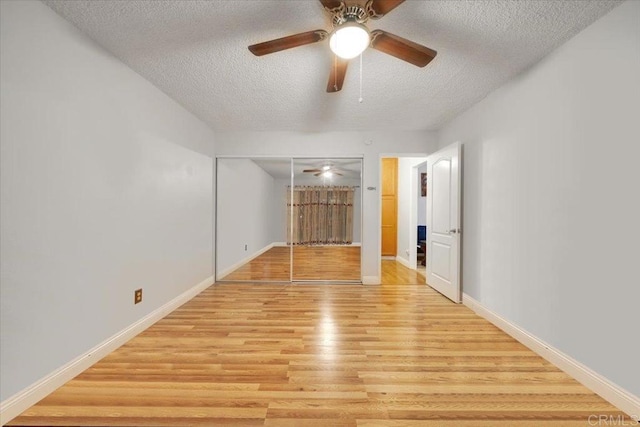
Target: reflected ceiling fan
(350, 37)
(326, 171)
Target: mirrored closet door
(288, 220)
(251, 219)
(325, 226)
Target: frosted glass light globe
(349, 40)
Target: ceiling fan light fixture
(349, 40)
(327, 174)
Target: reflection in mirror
(325, 212)
(251, 220)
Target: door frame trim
(379, 199)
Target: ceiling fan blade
(288, 42)
(330, 171)
(336, 77)
(311, 170)
(378, 8)
(331, 6)
(402, 48)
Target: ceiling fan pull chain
(360, 99)
(335, 73)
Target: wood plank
(393, 355)
(326, 263)
(332, 262)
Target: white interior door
(443, 222)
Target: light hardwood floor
(398, 354)
(309, 263)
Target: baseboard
(370, 280)
(621, 398)
(243, 261)
(21, 401)
(403, 261)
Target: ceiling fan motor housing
(350, 14)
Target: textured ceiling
(196, 52)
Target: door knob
(454, 230)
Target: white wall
(281, 188)
(408, 199)
(551, 204)
(371, 145)
(246, 204)
(106, 187)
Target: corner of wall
(20, 402)
(595, 382)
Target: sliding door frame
(291, 158)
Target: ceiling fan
(326, 171)
(350, 37)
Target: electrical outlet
(245, 247)
(137, 296)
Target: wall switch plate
(137, 296)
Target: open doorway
(412, 206)
(410, 209)
(419, 207)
